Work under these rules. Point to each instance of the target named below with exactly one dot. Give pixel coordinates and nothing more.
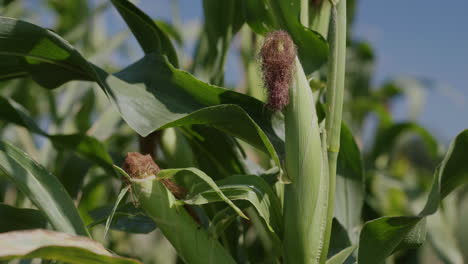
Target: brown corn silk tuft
(278, 53)
(139, 166)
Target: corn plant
(270, 171)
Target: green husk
(306, 198)
(191, 241)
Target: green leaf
(250, 188)
(267, 15)
(87, 147)
(13, 218)
(216, 37)
(42, 188)
(349, 195)
(381, 237)
(121, 195)
(71, 172)
(27, 49)
(151, 94)
(341, 257)
(170, 30)
(387, 138)
(221, 221)
(148, 34)
(198, 174)
(159, 203)
(222, 25)
(216, 153)
(339, 239)
(127, 218)
(56, 246)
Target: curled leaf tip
(278, 53)
(139, 166)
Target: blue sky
(426, 39)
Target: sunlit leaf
(150, 94)
(50, 245)
(42, 188)
(250, 188)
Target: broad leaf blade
(86, 146)
(198, 174)
(36, 51)
(42, 188)
(349, 197)
(127, 218)
(150, 37)
(341, 257)
(216, 37)
(152, 94)
(381, 237)
(250, 188)
(387, 138)
(13, 218)
(56, 246)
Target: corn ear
(306, 198)
(192, 243)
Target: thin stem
(335, 93)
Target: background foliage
(60, 139)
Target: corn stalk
(335, 92)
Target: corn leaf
(42, 188)
(250, 188)
(86, 146)
(150, 94)
(148, 33)
(349, 195)
(341, 257)
(50, 245)
(127, 218)
(13, 218)
(381, 237)
(195, 173)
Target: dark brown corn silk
(140, 166)
(278, 53)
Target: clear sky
(426, 39)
